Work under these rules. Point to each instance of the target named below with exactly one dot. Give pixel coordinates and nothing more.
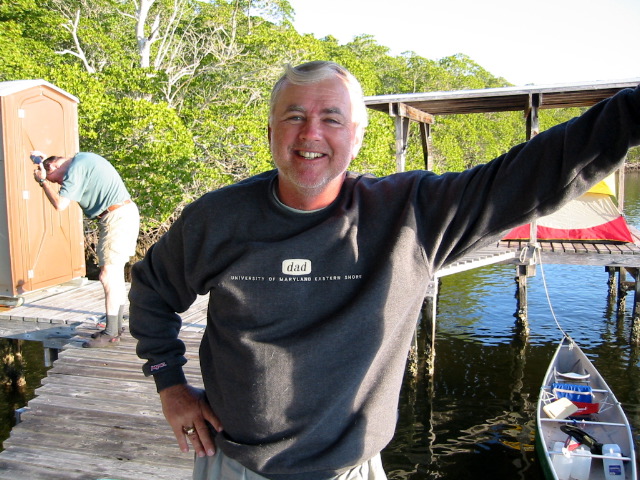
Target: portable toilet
(39, 246)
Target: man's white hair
(316, 71)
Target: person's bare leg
(112, 279)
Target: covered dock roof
(503, 99)
(423, 107)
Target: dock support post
(635, 317)
(634, 337)
(611, 281)
(19, 412)
(429, 308)
(412, 361)
(624, 286)
(611, 290)
(522, 321)
(50, 356)
(622, 292)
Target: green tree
(175, 92)
(153, 150)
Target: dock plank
(80, 466)
(95, 415)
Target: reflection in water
(22, 369)
(476, 416)
(12, 365)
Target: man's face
(312, 136)
(54, 173)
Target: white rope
(538, 254)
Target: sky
(541, 42)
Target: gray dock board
(95, 415)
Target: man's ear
(269, 134)
(357, 142)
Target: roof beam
(405, 111)
(404, 114)
(500, 99)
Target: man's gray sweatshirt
(311, 315)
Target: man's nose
(311, 130)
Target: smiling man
(314, 135)
(316, 277)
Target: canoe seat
(581, 395)
(573, 376)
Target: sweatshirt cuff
(169, 377)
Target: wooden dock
(97, 417)
(585, 253)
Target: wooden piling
(634, 334)
(429, 308)
(634, 330)
(622, 292)
(523, 271)
(611, 281)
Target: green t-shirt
(94, 183)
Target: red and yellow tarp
(591, 217)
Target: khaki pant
(117, 235)
(221, 467)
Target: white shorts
(118, 235)
(221, 467)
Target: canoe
(581, 430)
